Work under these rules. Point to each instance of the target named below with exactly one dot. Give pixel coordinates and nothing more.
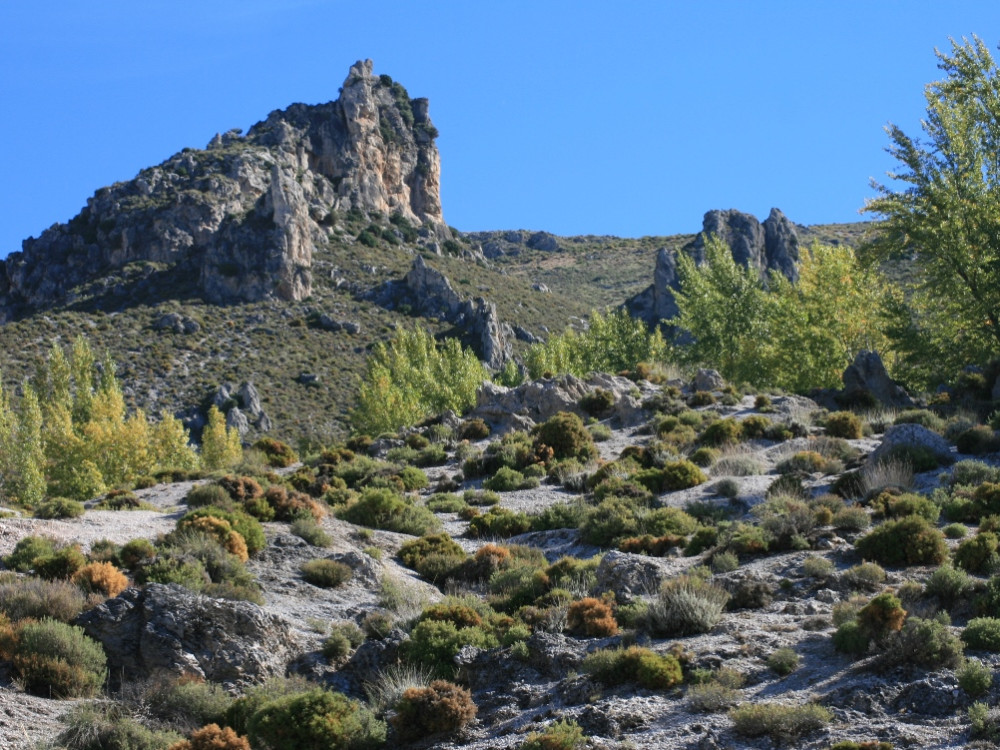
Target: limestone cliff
(243, 216)
(769, 246)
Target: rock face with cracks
(243, 216)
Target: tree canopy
(946, 217)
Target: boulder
(868, 374)
(543, 241)
(708, 380)
(628, 576)
(169, 629)
(913, 435)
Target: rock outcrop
(771, 246)
(868, 374)
(427, 291)
(168, 629)
(239, 220)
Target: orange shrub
(591, 617)
(103, 577)
(213, 737)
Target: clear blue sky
(574, 116)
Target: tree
(947, 217)
(220, 445)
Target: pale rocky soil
(908, 707)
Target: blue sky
(576, 117)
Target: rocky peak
(767, 247)
(243, 216)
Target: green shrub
(96, 725)
(208, 494)
(343, 638)
(57, 660)
(445, 502)
(634, 664)
(817, 567)
(867, 576)
(437, 708)
(978, 441)
(34, 598)
(851, 518)
(716, 691)
(955, 530)
(896, 505)
(686, 605)
(985, 721)
(567, 436)
(190, 574)
(279, 455)
(184, 704)
(310, 531)
(242, 523)
(326, 574)
(384, 509)
(597, 402)
(505, 480)
(779, 721)
(807, 462)
(923, 643)
(982, 634)
(136, 551)
(722, 432)
(975, 678)
(979, 554)
(705, 456)
(948, 584)
(317, 719)
(701, 398)
(970, 472)
(561, 735)
(61, 564)
(882, 615)
(783, 661)
(499, 522)
(27, 550)
(59, 507)
(906, 541)
(473, 429)
(435, 643)
(673, 476)
(844, 424)
(851, 638)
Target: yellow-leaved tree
(220, 445)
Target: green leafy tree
(220, 445)
(614, 341)
(412, 377)
(169, 444)
(27, 455)
(946, 217)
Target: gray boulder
(911, 435)
(867, 373)
(169, 629)
(708, 380)
(629, 576)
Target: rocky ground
(907, 706)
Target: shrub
(62, 564)
(279, 454)
(59, 507)
(975, 678)
(807, 462)
(326, 574)
(101, 577)
(705, 456)
(844, 424)
(673, 476)
(499, 522)
(866, 576)
(592, 618)
(979, 554)
(977, 441)
(136, 551)
(213, 737)
(850, 638)
(948, 584)
(566, 435)
(982, 634)
(58, 660)
(971, 472)
(219, 530)
(343, 638)
(505, 480)
(716, 693)
(208, 494)
(686, 605)
(561, 735)
(34, 598)
(955, 530)
(851, 518)
(895, 505)
(439, 707)
(383, 509)
(435, 643)
(817, 567)
(310, 531)
(907, 541)
(441, 502)
(243, 524)
(779, 721)
(783, 661)
(923, 643)
(882, 615)
(27, 550)
(473, 429)
(597, 402)
(635, 664)
(317, 719)
(722, 432)
(95, 725)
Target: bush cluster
(643, 666)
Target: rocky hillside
(559, 600)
